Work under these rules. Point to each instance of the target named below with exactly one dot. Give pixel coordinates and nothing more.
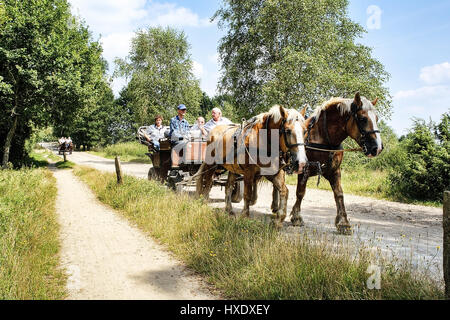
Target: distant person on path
(68, 142)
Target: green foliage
(91, 123)
(224, 102)
(119, 122)
(442, 130)
(295, 53)
(387, 159)
(423, 171)
(127, 151)
(160, 71)
(49, 70)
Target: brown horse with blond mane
(327, 128)
(284, 133)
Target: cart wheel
(172, 180)
(238, 192)
(172, 184)
(152, 175)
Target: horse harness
(332, 149)
(284, 156)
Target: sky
(410, 38)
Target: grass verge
(127, 151)
(248, 259)
(29, 236)
(363, 182)
(65, 165)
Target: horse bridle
(364, 133)
(284, 133)
(288, 156)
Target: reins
(330, 150)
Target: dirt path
(107, 258)
(404, 231)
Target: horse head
(291, 124)
(362, 126)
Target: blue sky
(411, 39)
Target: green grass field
(29, 236)
(128, 152)
(248, 259)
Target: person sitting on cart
(179, 126)
(155, 132)
(196, 131)
(68, 142)
(216, 120)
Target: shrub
(424, 170)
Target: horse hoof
(297, 222)
(344, 230)
(244, 213)
(277, 224)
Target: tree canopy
(294, 53)
(49, 70)
(160, 71)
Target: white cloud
(116, 45)
(435, 92)
(108, 16)
(168, 14)
(436, 74)
(198, 70)
(424, 102)
(214, 58)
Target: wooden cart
(178, 170)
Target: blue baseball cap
(181, 107)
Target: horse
(285, 130)
(330, 124)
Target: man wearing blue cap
(179, 126)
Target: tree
(49, 69)
(442, 130)
(160, 71)
(120, 125)
(294, 53)
(424, 170)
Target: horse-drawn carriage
(177, 166)
(65, 148)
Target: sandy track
(405, 231)
(107, 258)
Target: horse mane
(342, 104)
(274, 112)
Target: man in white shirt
(216, 120)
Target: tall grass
(128, 151)
(29, 236)
(248, 259)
